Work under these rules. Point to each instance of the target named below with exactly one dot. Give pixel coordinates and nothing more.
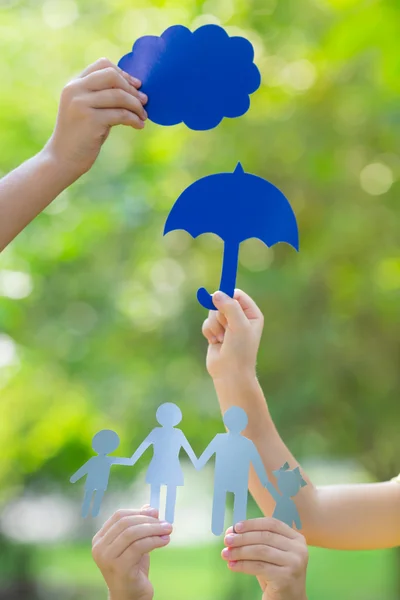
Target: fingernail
(225, 552)
(229, 530)
(145, 114)
(134, 80)
(166, 526)
(221, 338)
(219, 296)
(232, 563)
(229, 539)
(143, 97)
(239, 527)
(165, 537)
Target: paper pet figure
(196, 78)
(234, 454)
(165, 468)
(289, 483)
(97, 470)
(235, 206)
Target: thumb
(231, 310)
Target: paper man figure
(165, 468)
(234, 454)
(97, 470)
(289, 483)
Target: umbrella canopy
(235, 206)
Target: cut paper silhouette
(198, 78)
(234, 454)
(97, 470)
(235, 206)
(165, 468)
(289, 483)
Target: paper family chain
(234, 454)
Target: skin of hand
(121, 550)
(271, 551)
(343, 517)
(233, 333)
(101, 97)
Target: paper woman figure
(97, 470)
(289, 483)
(165, 468)
(234, 454)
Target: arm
(141, 450)
(259, 468)
(80, 472)
(122, 461)
(342, 517)
(207, 454)
(189, 450)
(103, 96)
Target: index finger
(266, 524)
(120, 514)
(248, 305)
(105, 63)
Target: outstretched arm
(207, 454)
(347, 517)
(141, 450)
(80, 472)
(189, 450)
(103, 96)
(122, 461)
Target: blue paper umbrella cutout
(235, 206)
(197, 78)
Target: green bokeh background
(99, 322)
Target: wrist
(243, 378)
(66, 171)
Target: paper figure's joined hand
(234, 206)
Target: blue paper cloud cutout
(196, 78)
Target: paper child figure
(234, 454)
(97, 470)
(289, 483)
(165, 468)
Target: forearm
(246, 392)
(342, 517)
(27, 190)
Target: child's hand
(121, 551)
(273, 552)
(102, 96)
(233, 333)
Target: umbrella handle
(205, 299)
(228, 276)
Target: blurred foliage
(98, 315)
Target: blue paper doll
(289, 483)
(165, 468)
(97, 470)
(234, 454)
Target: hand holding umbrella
(235, 206)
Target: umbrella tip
(239, 168)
